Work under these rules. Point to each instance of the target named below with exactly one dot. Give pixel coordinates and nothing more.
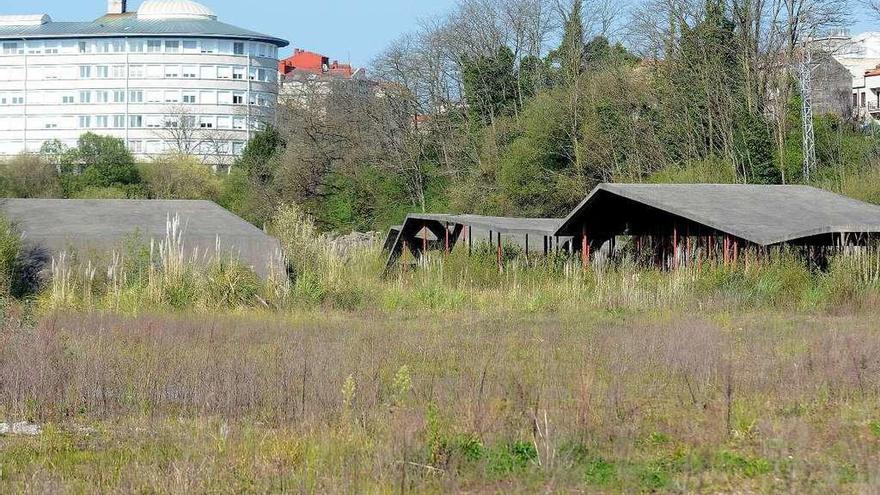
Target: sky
(345, 30)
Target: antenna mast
(809, 135)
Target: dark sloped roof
(129, 25)
(505, 225)
(103, 224)
(762, 214)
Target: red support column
(675, 246)
(585, 261)
(735, 250)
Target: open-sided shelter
(675, 219)
(436, 231)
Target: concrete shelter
(101, 226)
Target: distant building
(165, 77)
(860, 54)
(306, 75)
(832, 88)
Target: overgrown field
(149, 373)
(437, 402)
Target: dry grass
(459, 401)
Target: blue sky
(353, 30)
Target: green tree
(100, 162)
(490, 84)
(568, 58)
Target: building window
(154, 46)
(136, 71)
(238, 48)
(136, 146)
(118, 71)
(864, 100)
(189, 98)
(85, 122)
(224, 72)
(208, 72)
(190, 46)
(85, 71)
(238, 123)
(85, 96)
(136, 46)
(84, 47)
(172, 71)
(51, 125)
(135, 121)
(190, 72)
(209, 46)
(51, 47)
(34, 47)
(67, 99)
(119, 121)
(10, 48)
(102, 71)
(172, 46)
(119, 96)
(102, 96)
(102, 121)
(18, 100)
(136, 96)
(238, 73)
(172, 97)
(237, 148)
(206, 123)
(237, 99)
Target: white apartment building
(167, 78)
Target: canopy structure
(423, 232)
(100, 227)
(674, 224)
(762, 215)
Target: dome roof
(174, 9)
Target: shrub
(29, 176)
(180, 177)
(93, 192)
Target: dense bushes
(179, 177)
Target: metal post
(470, 239)
(424, 240)
(446, 235)
(499, 251)
(527, 247)
(545, 245)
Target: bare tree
(180, 131)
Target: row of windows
(140, 45)
(119, 121)
(67, 72)
(156, 147)
(189, 97)
(206, 122)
